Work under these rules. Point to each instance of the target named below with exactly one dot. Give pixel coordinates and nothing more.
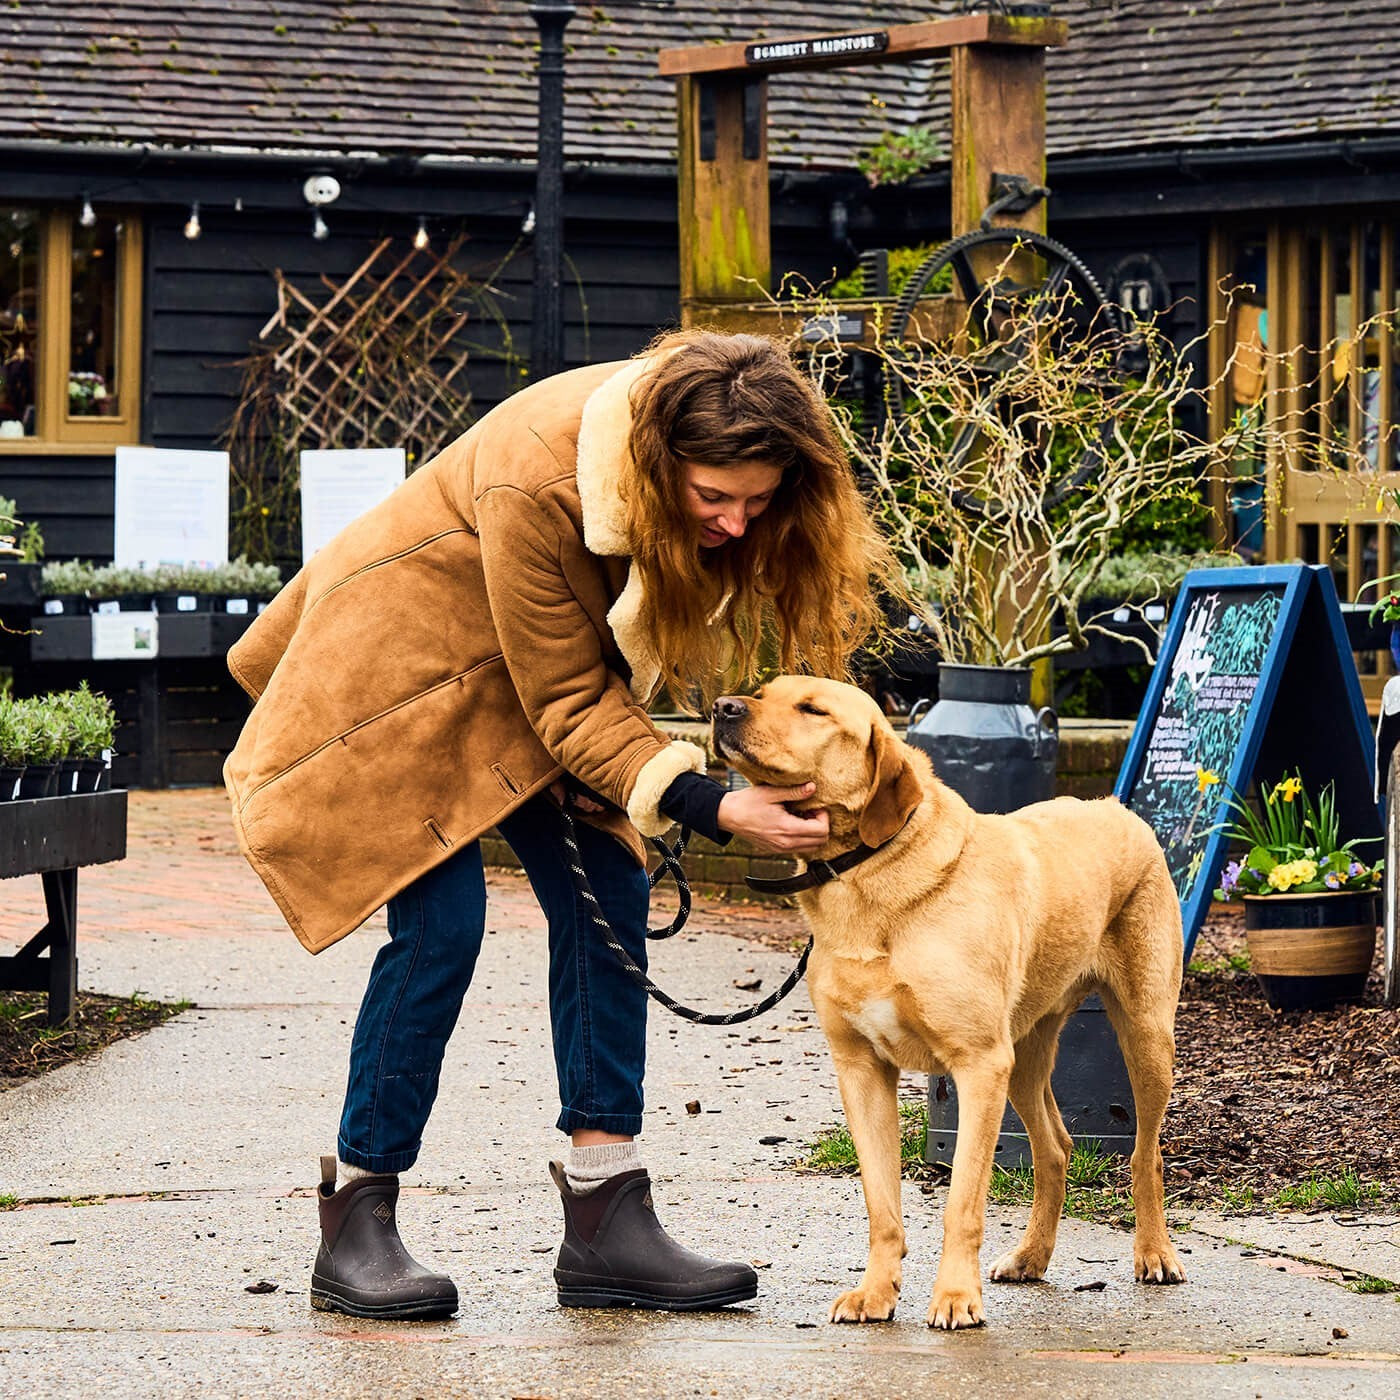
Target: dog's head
(798, 729)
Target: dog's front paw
(1159, 1265)
(868, 1303)
(1019, 1266)
(954, 1308)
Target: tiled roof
(455, 78)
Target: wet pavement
(163, 1179)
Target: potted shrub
(179, 588)
(94, 725)
(1309, 899)
(116, 588)
(42, 741)
(12, 751)
(65, 586)
(245, 586)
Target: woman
(483, 646)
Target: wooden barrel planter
(1310, 950)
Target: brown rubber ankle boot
(362, 1267)
(616, 1255)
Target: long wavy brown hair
(800, 588)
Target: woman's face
(722, 500)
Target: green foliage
(903, 263)
(67, 724)
(1293, 843)
(67, 576)
(27, 536)
(1142, 575)
(1344, 1192)
(899, 155)
(8, 1200)
(1359, 1283)
(1239, 1202)
(835, 1151)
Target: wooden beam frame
(903, 43)
(998, 68)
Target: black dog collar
(818, 872)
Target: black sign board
(818, 46)
(1255, 679)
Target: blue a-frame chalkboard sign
(1254, 679)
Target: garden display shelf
(52, 837)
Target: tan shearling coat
(450, 654)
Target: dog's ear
(895, 792)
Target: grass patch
(8, 1200)
(1210, 967)
(1096, 1185)
(29, 1046)
(1369, 1283)
(1343, 1192)
(1239, 1202)
(834, 1151)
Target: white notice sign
(125, 636)
(340, 486)
(171, 507)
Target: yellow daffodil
(1205, 778)
(1289, 788)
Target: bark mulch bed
(29, 1046)
(1265, 1102)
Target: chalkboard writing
(1200, 720)
(1255, 678)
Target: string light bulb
(420, 239)
(192, 228)
(88, 217)
(320, 230)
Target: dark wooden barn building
(1186, 141)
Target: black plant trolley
(52, 837)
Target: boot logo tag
(383, 1212)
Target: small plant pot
(38, 780)
(69, 777)
(136, 602)
(179, 602)
(66, 605)
(93, 775)
(9, 782)
(1311, 950)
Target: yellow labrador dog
(952, 942)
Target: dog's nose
(730, 707)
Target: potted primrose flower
(1309, 898)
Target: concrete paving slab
(191, 1154)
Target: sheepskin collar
(604, 460)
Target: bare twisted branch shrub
(1010, 459)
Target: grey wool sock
(345, 1174)
(589, 1167)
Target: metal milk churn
(985, 740)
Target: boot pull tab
(328, 1166)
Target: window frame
(59, 432)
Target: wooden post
(990, 83)
(998, 129)
(723, 173)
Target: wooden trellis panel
(379, 362)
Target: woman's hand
(758, 815)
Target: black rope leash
(670, 863)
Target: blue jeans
(598, 1015)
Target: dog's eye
(807, 708)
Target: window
(69, 330)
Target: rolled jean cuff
(623, 1124)
(380, 1163)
